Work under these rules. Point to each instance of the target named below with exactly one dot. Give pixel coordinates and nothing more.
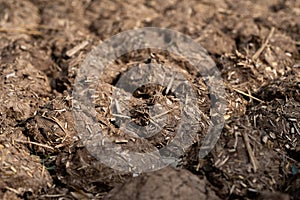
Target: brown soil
(256, 46)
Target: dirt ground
(256, 46)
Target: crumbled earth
(256, 47)
(167, 183)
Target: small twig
(170, 83)
(236, 140)
(77, 48)
(43, 171)
(250, 152)
(286, 156)
(52, 195)
(13, 190)
(53, 119)
(118, 107)
(244, 93)
(232, 189)
(21, 30)
(164, 113)
(248, 95)
(223, 162)
(35, 143)
(156, 124)
(121, 116)
(260, 50)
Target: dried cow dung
(168, 183)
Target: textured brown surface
(255, 45)
(168, 183)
